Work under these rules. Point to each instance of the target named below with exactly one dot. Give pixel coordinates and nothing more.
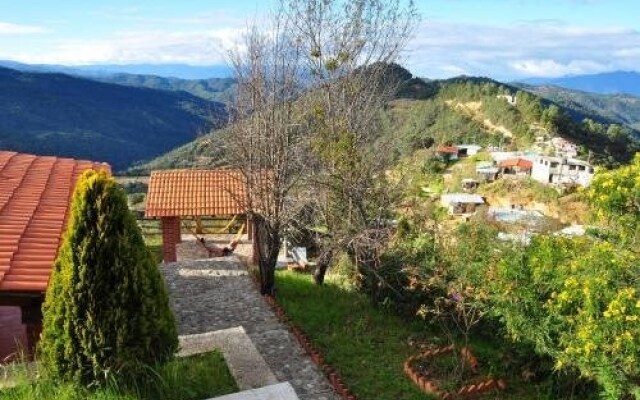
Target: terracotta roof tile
(195, 193)
(447, 149)
(35, 194)
(516, 162)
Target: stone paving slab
(214, 294)
(280, 391)
(245, 362)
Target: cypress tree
(106, 309)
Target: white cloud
(7, 28)
(154, 46)
(547, 68)
(534, 48)
(546, 48)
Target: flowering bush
(576, 300)
(615, 197)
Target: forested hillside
(68, 116)
(462, 110)
(217, 89)
(476, 110)
(621, 108)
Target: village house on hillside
(487, 171)
(461, 203)
(562, 171)
(466, 150)
(35, 197)
(512, 100)
(515, 167)
(453, 153)
(447, 153)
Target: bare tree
(266, 138)
(350, 47)
(311, 89)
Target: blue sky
(503, 39)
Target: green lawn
(191, 378)
(368, 345)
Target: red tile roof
(195, 192)
(35, 193)
(516, 162)
(447, 149)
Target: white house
(562, 171)
(461, 203)
(468, 149)
(512, 100)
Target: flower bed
(428, 382)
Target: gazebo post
(199, 227)
(249, 228)
(32, 319)
(171, 236)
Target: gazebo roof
(35, 194)
(175, 193)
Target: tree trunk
(268, 245)
(323, 264)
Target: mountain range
(127, 119)
(180, 71)
(621, 108)
(616, 82)
(58, 114)
(458, 110)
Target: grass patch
(154, 244)
(368, 345)
(190, 378)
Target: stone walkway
(215, 294)
(245, 362)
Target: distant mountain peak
(181, 71)
(614, 82)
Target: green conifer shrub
(106, 309)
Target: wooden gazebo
(176, 194)
(35, 197)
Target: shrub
(577, 301)
(106, 308)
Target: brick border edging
(465, 391)
(338, 384)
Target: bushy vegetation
(106, 310)
(615, 197)
(576, 301)
(568, 309)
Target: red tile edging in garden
(339, 386)
(465, 391)
(427, 386)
